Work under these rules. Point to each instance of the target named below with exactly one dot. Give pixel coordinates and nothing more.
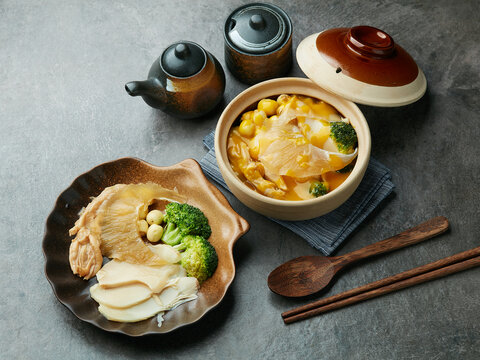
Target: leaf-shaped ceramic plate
(187, 177)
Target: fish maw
(117, 223)
(134, 313)
(286, 157)
(117, 273)
(121, 297)
(85, 256)
(177, 292)
(88, 215)
(166, 252)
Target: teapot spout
(146, 87)
(150, 90)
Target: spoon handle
(424, 231)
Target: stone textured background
(63, 110)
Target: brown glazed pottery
(186, 81)
(362, 64)
(187, 177)
(258, 42)
(367, 54)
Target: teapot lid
(362, 64)
(257, 28)
(183, 59)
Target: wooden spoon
(307, 275)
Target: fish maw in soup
(292, 150)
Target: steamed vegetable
(344, 136)
(318, 188)
(182, 220)
(199, 258)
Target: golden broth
(284, 148)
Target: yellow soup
(292, 148)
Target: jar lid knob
(257, 22)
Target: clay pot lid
(362, 64)
(183, 59)
(257, 28)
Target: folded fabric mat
(326, 232)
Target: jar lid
(362, 64)
(257, 28)
(183, 59)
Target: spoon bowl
(307, 275)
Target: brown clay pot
(285, 209)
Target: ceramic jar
(258, 42)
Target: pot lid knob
(183, 59)
(257, 28)
(370, 42)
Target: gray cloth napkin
(326, 232)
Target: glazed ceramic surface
(282, 209)
(362, 64)
(187, 177)
(186, 81)
(258, 42)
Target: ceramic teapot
(186, 81)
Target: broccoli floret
(199, 258)
(318, 188)
(172, 235)
(187, 229)
(182, 220)
(344, 136)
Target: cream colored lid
(362, 64)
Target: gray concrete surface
(63, 110)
